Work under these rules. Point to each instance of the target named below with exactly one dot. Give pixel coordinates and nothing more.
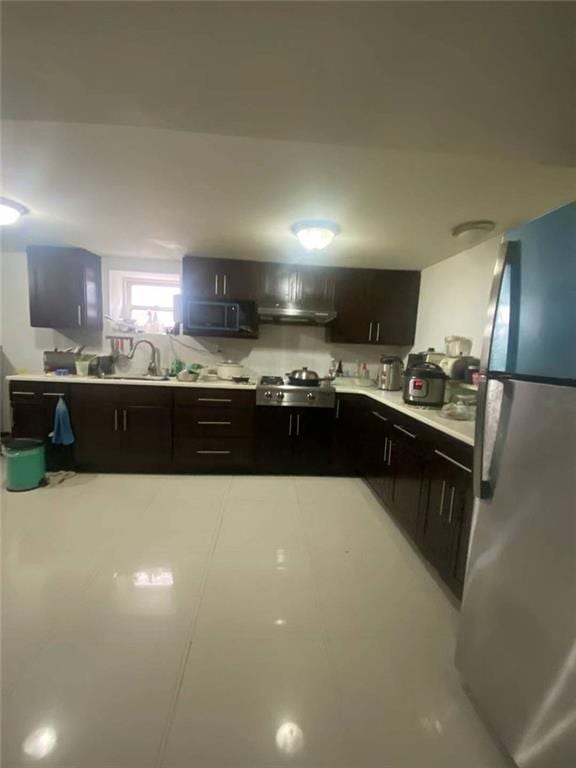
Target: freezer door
(534, 320)
(517, 640)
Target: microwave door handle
(481, 484)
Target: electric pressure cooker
(424, 384)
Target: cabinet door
(200, 277)
(55, 286)
(394, 305)
(376, 438)
(278, 284)
(237, 279)
(405, 461)
(312, 435)
(315, 287)
(28, 420)
(354, 323)
(347, 416)
(146, 434)
(274, 439)
(448, 518)
(64, 288)
(97, 429)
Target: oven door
(212, 316)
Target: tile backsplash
(279, 348)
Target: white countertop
(460, 430)
(73, 379)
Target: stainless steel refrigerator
(517, 639)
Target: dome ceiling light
(315, 235)
(469, 229)
(10, 211)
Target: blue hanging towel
(62, 434)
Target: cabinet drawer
(122, 394)
(213, 453)
(215, 398)
(37, 391)
(213, 422)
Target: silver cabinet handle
(370, 332)
(450, 513)
(222, 453)
(385, 449)
(453, 461)
(214, 400)
(378, 416)
(216, 284)
(390, 444)
(225, 291)
(337, 409)
(53, 394)
(297, 425)
(441, 510)
(125, 420)
(377, 331)
(115, 420)
(79, 314)
(405, 431)
(290, 426)
(215, 422)
(28, 394)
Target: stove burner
(275, 391)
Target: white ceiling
(211, 127)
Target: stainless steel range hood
(295, 316)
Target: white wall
(454, 297)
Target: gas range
(274, 390)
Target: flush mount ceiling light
(315, 235)
(469, 229)
(10, 211)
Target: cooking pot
(305, 378)
(229, 369)
(424, 384)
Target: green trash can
(25, 464)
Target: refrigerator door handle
(481, 484)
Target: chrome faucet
(154, 366)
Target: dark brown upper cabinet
(204, 278)
(65, 288)
(375, 306)
(301, 286)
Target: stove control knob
(279, 395)
(268, 394)
(310, 396)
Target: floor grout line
(191, 633)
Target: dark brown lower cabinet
(122, 428)
(406, 456)
(33, 404)
(447, 517)
(294, 440)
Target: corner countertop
(73, 379)
(460, 430)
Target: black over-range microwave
(219, 318)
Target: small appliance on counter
(457, 346)
(424, 384)
(455, 367)
(390, 374)
(229, 370)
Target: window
(147, 298)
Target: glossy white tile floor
(159, 622)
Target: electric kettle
(390, 374)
